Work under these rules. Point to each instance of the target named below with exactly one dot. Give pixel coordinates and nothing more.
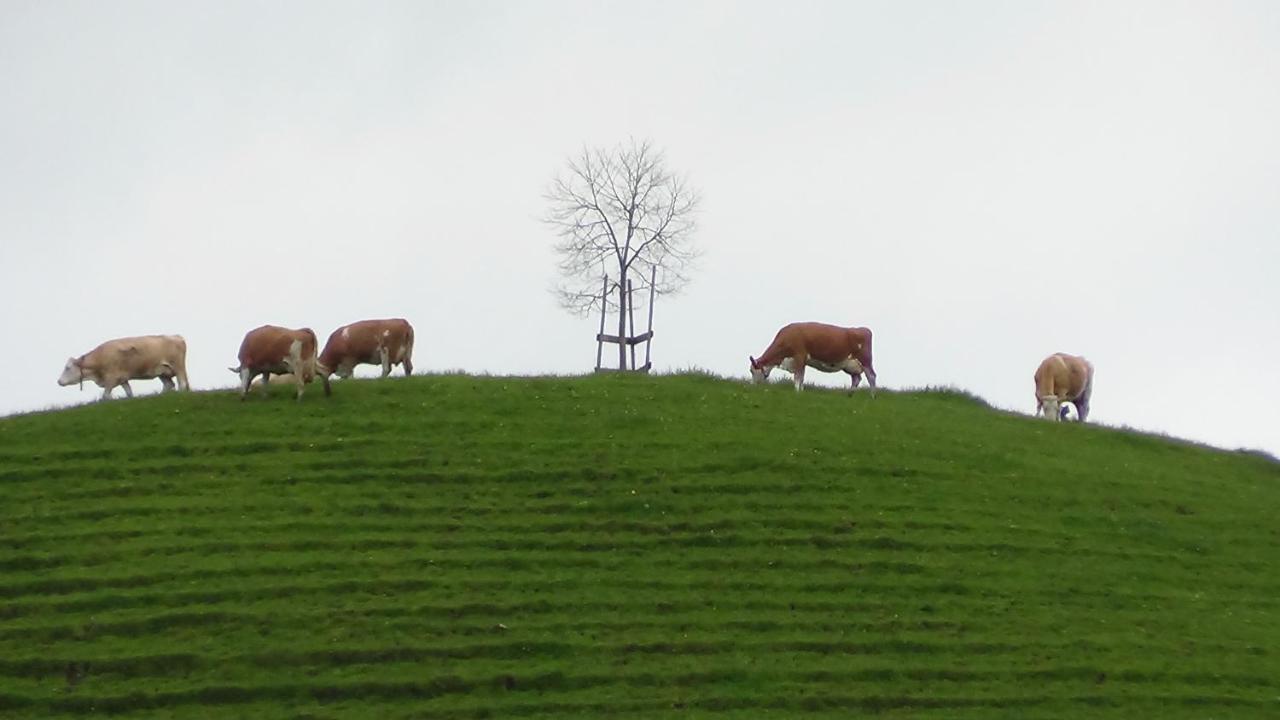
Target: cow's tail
(408, 346)
(865, 358)
(304, 354)
(180, 367)
(315, 368)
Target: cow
(115, 362)
(828, 348)
(1063, 378)
(273, 349)
(369, 342)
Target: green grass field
(472, 547)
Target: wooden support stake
(604, 302)
(631, 310)
(615, 340)
(622, 324)
(653, 276)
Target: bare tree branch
(615, 211)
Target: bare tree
(618, 211)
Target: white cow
(1063, 378)
(115, 362)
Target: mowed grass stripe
(935, 657)
(1187, 554)
(406, 520)
(506, 686)
(933, 634)
(588, 501)
(405, 533)
(737, 705)
(516, 675)
(832, 572)
(401, 521)
(885, 576)
(977, 618)
(835, 574)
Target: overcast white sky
(981, 183)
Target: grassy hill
(463, 547)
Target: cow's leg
(385, 355)
(797, 370)
(128, 391)
(856, 377)
(1082, 409)
(167, 382)
(266, 380)
(1082, 401)
(871, 378)
(106, 391)
(1050, 406)
(407, 364)
(297, 379)
(183, 384)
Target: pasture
(615, 546)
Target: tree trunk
(622, 321)
(631, 320)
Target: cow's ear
(754, 364)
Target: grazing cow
(115, 362)
(271, 349)
(828, 348)
(1063, 378)
(369, 342)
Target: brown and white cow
(369, 342)
(828, 348)
(1063, 378)
(115, 362)
(272, 349)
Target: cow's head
(325, 371)
(343, 370)
(1050, 407)
(759, 371)
(72, 373)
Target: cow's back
(1081, 375)
(399, 337)
(862, 336)
(1047, 376)
(392, 333)
(139, 356)
(829, 343)
(270, 345)
(1062, 376)
(364, 337)
(360, 341)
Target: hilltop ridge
(458, 546)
